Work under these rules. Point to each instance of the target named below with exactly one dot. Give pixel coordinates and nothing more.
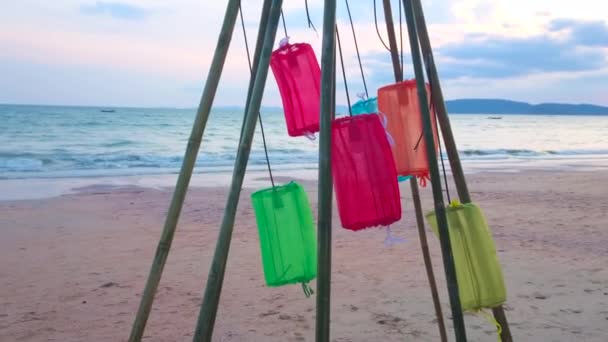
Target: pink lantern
(298, 76)
(363, 169)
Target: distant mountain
(498, 106)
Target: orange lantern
(399, 104)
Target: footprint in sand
(268, 313)
(538, 295)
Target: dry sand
(73, 267)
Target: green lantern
(478, 272)
(287, 235)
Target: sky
(156, 53)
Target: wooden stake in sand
(202, 114)
(414, 185)
(328, 63)
(208, 311)
(448, 136)
(442, 222)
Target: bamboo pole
(183, 180)
(426, 255)
(448, 136)
(442, 223)
(328, 63)
(439, 104)
(208, 311)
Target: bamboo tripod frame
(419, 22)
(269, 21)
(398, 74)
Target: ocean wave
(525, 153)
(505, 153)
(31, 164)
(120, 143)
(61, 161)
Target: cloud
(499, 57)
(565, 46)
(115, 9)
(584, 33)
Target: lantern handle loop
(423, 179)
(384, 121)
(311, 136)
(487, 316)
(307, 290)
(391, 240)
(284, 41)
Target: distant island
(499, 106)
(504, 107)
(459, 106)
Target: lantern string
(284, 26)
(352, 27)
(259, 114)
(431, 110)
(391, 240)
(350, 111)
(310, 24)
(377, 30)
(401, 36)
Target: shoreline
(40, 188)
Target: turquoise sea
(64, 142)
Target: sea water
(64, 142)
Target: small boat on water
(494, 117)
(108, 110)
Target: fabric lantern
(478, 272)
(287, 234)
(298, 76)
(364, 174)
(399, 103)
(367, 106)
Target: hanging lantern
(399, 103)
(478, 272)
(298, 76)
(365, 106)
(287, 235)
(364, 175)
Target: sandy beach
(74, 266)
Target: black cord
(310, 24)
(259, 114)
(377, 30)
(284, 26)
(401, 36)
(352, 26)
(350, 111)
(431, 112)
